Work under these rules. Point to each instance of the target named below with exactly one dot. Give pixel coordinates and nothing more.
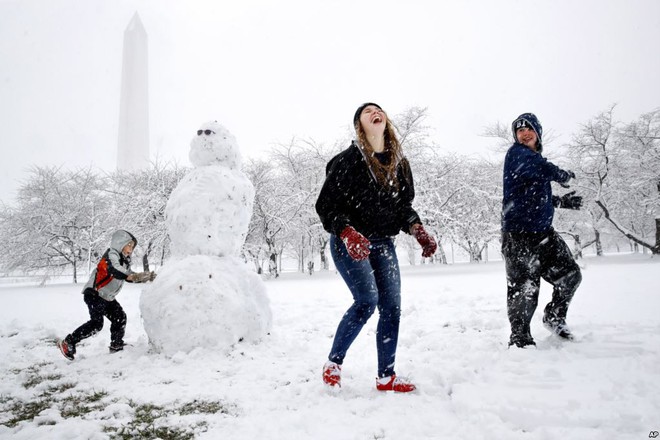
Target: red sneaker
(332, 374)
(68, 350)
(394, 383)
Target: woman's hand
(427, 242)
(356, 244)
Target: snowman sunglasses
(206, 132)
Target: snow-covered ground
(453, 345)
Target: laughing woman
(365, 201)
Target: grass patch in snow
(206, 407)
(24, 411)
(150, 421)
(147, 423)
(77, 405)
(71, 405)
(34, 376)
(181, 421)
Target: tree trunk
(75, 271)
(578, 246)
(145, 257)
(475, 254)
(599, 244)
(255, 261)
(89, 259)
(272, 259)
(440, 254)
(272, 265)
(166, 243)
(301, 255)
(324, 259)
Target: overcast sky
(272, 70)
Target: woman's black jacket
(351, 196)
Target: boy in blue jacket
(104, 284)
(531, 248)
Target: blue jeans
(374, 282)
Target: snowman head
(213, 144)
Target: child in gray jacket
(99, 294)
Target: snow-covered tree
(642, 138)
(302, 165)
(618, 169)
(138, 200)
(255, 248)
(429, 170)
(58, 221)
(472, 214)
(275, 208)
(434, 190)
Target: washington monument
(133, 143)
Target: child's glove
(356, 244)
(143, 277)
(571, 175)
(570, 201)
(427, 242)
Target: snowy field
(453, 341)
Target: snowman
(205, 295)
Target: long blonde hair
(385, 174)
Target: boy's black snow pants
(530, 257)
(98, 308)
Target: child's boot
(116, 346)
(67, 348)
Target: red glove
(356, 244)
(427, 242)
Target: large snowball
(204, 301)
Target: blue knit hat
(529, 120)
(358, 112)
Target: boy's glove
(571, 176)
(356, 244)
(427, 242)
(143, 277)
(569, 201)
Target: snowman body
(221, 228)
(205, 296)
